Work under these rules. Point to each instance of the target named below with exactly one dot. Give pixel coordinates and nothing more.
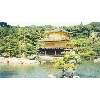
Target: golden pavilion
(54, 42)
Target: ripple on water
(87, 69)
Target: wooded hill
(16, 41)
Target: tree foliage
(16, 41)
(22, 41)
(67, 62)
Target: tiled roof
(58, 47)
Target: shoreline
(43, 59)
(48, 58)
(23, 61)
(15, 60)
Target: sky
(46, 23)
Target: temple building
(54, 42)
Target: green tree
(65, 63)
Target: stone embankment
(18, 61)
(48, 58)
(97, 60)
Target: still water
(87, 69)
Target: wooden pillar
(55, 52)
(58, 52)
(45, 52)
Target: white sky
(46, 23)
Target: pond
(87, 69)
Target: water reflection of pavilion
(54, 42)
